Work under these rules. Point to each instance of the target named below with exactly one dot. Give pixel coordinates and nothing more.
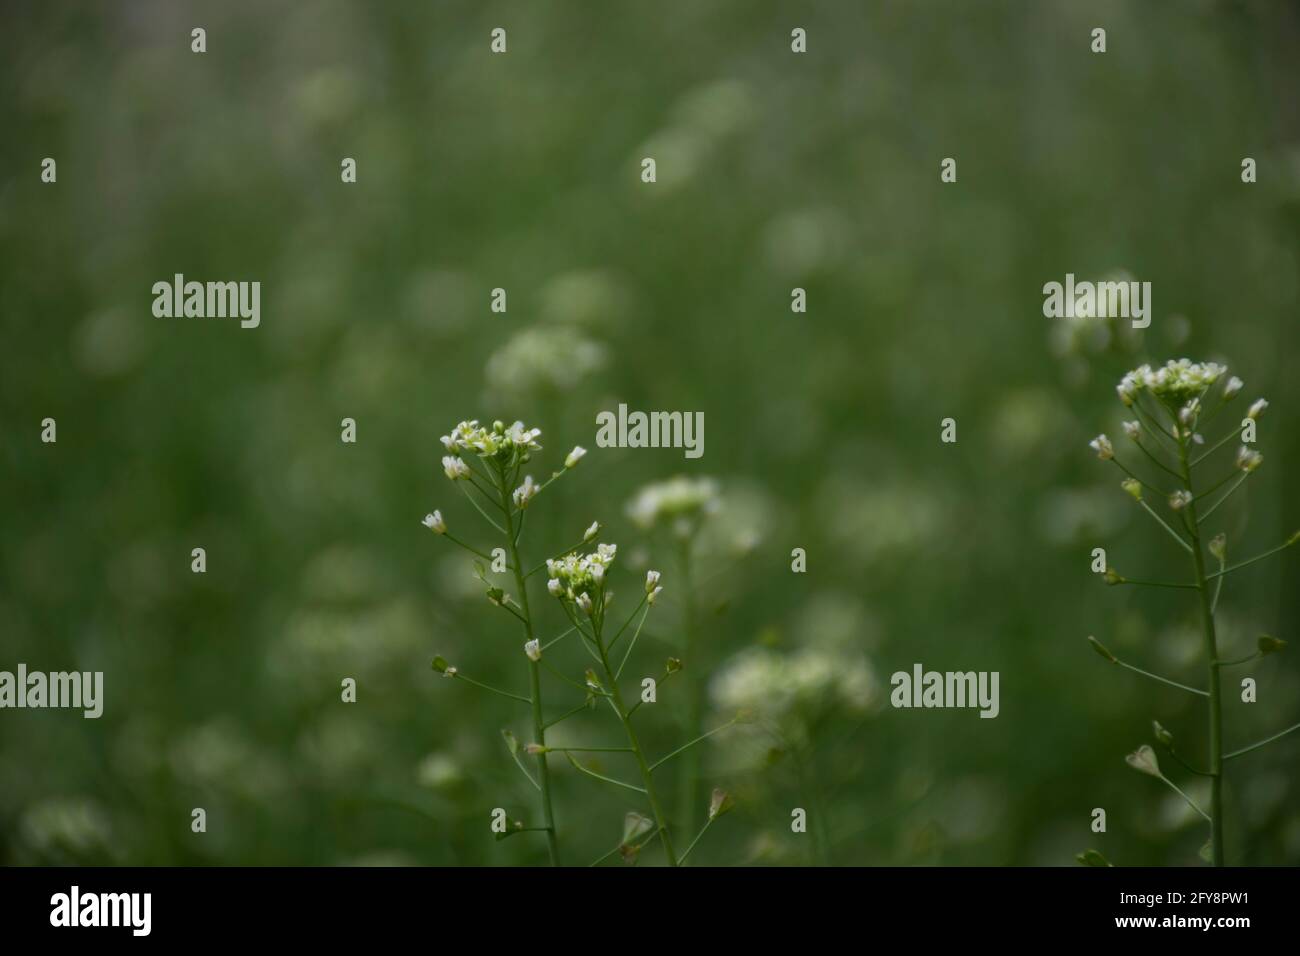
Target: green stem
(1259, 557)
(689, 786)
(535, 680)
(1212, 657)
(1174, 534)
(1266, 740)
(616, 701)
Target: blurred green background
(521, 171)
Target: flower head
(1102, 446)
(1177, 382)
(681, 500)
(435, 523)
(525, 492)
(454, 467)
(505, 445)
(1248, 459)
(576, 575)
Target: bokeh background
(521, 171)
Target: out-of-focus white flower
(541, 360)
(651, 580)
(1248, 459)
(455, 467)
(1102, 446)
(679, 499)
(574, 456)
(1180, 499)
(1234, 386)
(533, 649)
(591, 532)
(435, 523)
(525, 492)
(1257, 409)
(1133, 430)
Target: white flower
(598, 573)
(1178, 381)
(533, 649)
(1257, 409)
(574, 456)
(507, 445)
(584, 602)
(554, 586)
(454, 467)
(591, 532)
(1133, 430)
(1188, 412)
(1144, 760)
(651, 580)
(1102, 446)
(1180, 499)
(650, 598)
(1248, 460)
(435, 523)
(680, 499)
(525, 492)
(1234, 386)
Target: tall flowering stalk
(1170, 405)
(579, 582)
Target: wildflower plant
(1171, 406)
(488, 464)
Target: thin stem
(632, 643)
(1212, 662)
(1226, 495)
(565, 716)
(688, 797)
(616, 701)
(703, 830)
(1266, 740)
(1152, 422)
(1241, 660)
(556, 557)
(591, 750)
(568, 680)
(1174, 534)
(1190, 802)
(684, 747)
(1218, 587)
(1158, 584)
(1205, 493)
(504, 693)
(1259, 557)
(601, 776)
(470, 548)
(535, 681)
(1186, 766)
(1215, 447)
(630, 617)
(1156, 461)
(519, 762)
(1157, 677)
(1145, 484)
(555, 640)
(479, 509)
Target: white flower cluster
(680, 500)
(577, 574)
(507, 445)
(1178, 381)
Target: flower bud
(1101, 649)
(591, 532)
(1133, 430)
(1257, 409)
(1233, 386)
(442, 667)
(1102, 446)
(593, 682)
(719, 803)
(1162, 735)
(1248, 459)
(1133, 487)
(673, 666)
(1180, 499)
(435, 523)
(533, 649)
(1270, 645)
(1112, 576)
(454, 467)
(1144, 760)
(584, 602)
(555, 587)
(651, 581)
(650, 598)
(574, 456)
(1219, 546)
(525, 492)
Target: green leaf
(1093, 858)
